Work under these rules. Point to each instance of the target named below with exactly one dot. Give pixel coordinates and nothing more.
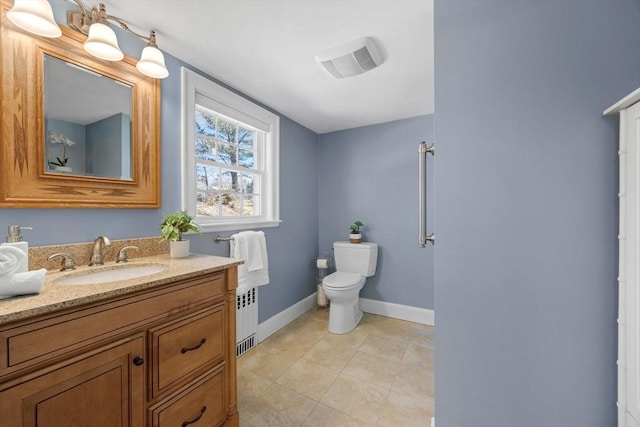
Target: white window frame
(198, 88)
(629, 259)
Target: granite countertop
(55, 297)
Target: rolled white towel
(22, 283)
(10, 259)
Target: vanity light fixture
(101, 41)
(36, 17)
(151, 61)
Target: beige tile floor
(379, 374)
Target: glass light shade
(152, 63)
(102, 43)
(34, 16)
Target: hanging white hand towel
(256, 246)
(251, 247)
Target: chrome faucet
(96, 252)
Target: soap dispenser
(15, 239)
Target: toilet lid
(341, 279)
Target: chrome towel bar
(219, 238)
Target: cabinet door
(105, 387)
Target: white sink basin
(111, 274)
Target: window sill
(233, 226)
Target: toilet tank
(360, 258)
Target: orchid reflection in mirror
(60, 163)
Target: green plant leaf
(355, 228)
(176, 223)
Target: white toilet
(354, 263)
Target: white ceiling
(76, 95)
(266, 49)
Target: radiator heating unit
(246, 321)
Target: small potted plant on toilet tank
(356, 235)
(172, 227)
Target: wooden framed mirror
(100, 155)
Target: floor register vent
(246, 321)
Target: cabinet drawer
(184, 348)
(34, 342)
(200, 405)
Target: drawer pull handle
(138, 360)
(196, 419)
(195, 347)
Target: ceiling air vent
(351, 59)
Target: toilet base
(344, 316)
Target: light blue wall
(292, 246)
(104, 146)
(526, 209)
(370, 174)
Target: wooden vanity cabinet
(164, 356)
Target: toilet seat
(342, 281)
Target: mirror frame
(24, 179)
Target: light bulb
(151, 63)
(102, 43)
(34, 16)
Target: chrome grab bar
(422, 194)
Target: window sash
(240, 195)
(225, 111)
(197, 90)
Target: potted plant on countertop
(356, 235)
(172, 228)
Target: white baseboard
(388, 309)
(398, 311)
(286, 316)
